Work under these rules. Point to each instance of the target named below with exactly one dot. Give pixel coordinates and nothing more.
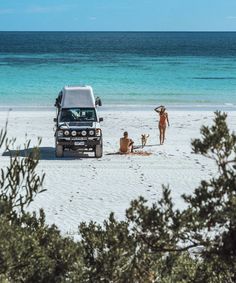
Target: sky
(118, 15)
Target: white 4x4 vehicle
(77, 122)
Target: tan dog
(144, 139)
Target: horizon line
(128, 31)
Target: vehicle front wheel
(98, 151)
(59, 151)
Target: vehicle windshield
(78, 114)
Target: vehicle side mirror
(100, 119)
(98, 101)
(55, 120)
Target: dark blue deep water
(123, 67)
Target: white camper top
(77, 96)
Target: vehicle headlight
(66, 133)
(83, 133)
(73, 133)
(60, 133)
(91, 132)
(98, 132)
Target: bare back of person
(126, 144)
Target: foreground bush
(153, 244)
(30, 250)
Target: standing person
(126, 144)
(162, 122)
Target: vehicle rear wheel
(98, 151)
(59, 151)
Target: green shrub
(155, 243)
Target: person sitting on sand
(126, 144)
(162, 122)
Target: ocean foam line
(131, 107)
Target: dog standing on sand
(144, 139)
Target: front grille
(80, 124)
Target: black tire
(59, 152)
(98, 151)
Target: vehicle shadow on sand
(46, 153)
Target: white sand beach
(83, 189)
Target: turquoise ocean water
(175, 69)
